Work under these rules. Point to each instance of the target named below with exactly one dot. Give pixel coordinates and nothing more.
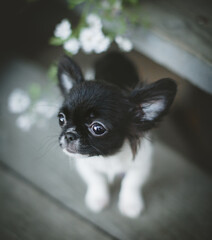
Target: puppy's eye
(97, 129)
(62, 119)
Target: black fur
(119, 106)
(117, 69)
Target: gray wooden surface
(27, 213)
(178, 196)
(179, 37)
(186, 23)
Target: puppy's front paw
(97, 199)
(131, 204)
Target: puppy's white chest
(112, 165)
(117, 164)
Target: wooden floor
(42, 197)
(27, 212)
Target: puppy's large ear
(151, 103)
(69, 74)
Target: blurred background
(41, 195)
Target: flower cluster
(90, 38)
(19, 102)
(124, 43)
(63, 30)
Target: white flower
(72, 46)
(124, 43)
(45, 108)
(18, 101)
(94, 21)
(93, 39)
(63, 29)
(102, 44)
(25, 121)
(87, 39)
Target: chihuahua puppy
(105, 123)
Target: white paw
(97, 199)
(131, 205)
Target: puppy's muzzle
(69, 141)
(70, 136)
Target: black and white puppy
(103, 127)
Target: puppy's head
(96, 117)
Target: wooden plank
(179, 37)
(185, 23)
(28, 214)
(174, 58)
(178, 196)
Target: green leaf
(34, 91)
(56, 41)
(52, 73)
(132, 2)
(74, 3)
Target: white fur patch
(119, 163)
(153, 109)
(89, 74)
(67, 81)
(72, 155)
(72, 129)
(94, 169)
(111, 165)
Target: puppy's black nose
(70, 136)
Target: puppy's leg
(97, 195)
(131, 202)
